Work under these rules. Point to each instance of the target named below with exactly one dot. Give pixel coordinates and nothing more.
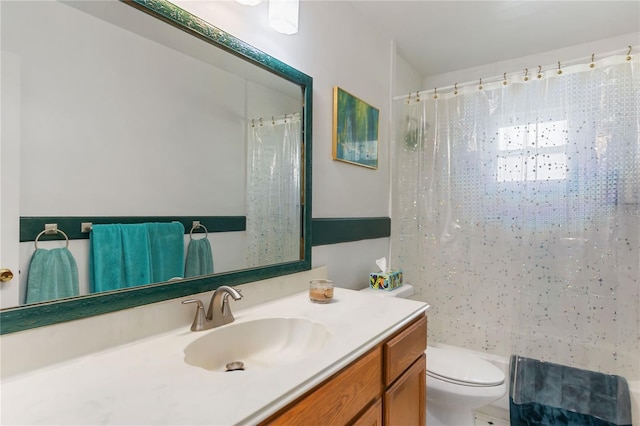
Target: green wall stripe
(341, 230)
(30, 227)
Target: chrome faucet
(219, 312)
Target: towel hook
(196, 225)
(49, 229)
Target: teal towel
(199, 258)
(53, 274)
(167, 250)
(119, 257)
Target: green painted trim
(343, 230)
(23, 318)
(30, 227)
(39, 315)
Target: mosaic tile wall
(516, 215)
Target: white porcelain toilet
(457, 382)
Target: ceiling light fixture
(283, 16)
(249, 2)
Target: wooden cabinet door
(405, 400)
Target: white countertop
(148, 382)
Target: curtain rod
(524, 73)
(274, 119)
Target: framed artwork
(355, 130)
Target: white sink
(258, 344)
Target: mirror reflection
(151, 134)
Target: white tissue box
(386, 280)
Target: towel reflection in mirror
(129, 255)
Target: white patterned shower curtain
(516, 214)
(274, 173)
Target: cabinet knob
(5, 275)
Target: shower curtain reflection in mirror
(274, 170)
(517, 215)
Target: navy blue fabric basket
(544, 393)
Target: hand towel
(167, 250)
(119, 256)
(53, 274)
(199, 258)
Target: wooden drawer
(403, 349)
(341, 398)
(372, 415)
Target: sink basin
(258, 344)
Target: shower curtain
(274, 172)
(516, 214)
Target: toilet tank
(403, 292)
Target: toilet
(457, 382)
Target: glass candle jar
(321, 291)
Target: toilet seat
(462, 369)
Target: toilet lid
(457, 367)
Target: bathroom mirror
(137, 111)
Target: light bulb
(249, 2)
(283, 16)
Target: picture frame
(355, 130)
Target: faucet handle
(200, 319)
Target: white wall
(336, 47)
(517, 66)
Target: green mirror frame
(37, 315)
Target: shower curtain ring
(539, 71)
(417, 96)
(455, 89)
(435, 93)
(629, 54)
(480, 86)
(559, 69)
(504, 76)
(592, 64)
(526, 74)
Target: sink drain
(235, 365)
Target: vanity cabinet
(386, 386)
